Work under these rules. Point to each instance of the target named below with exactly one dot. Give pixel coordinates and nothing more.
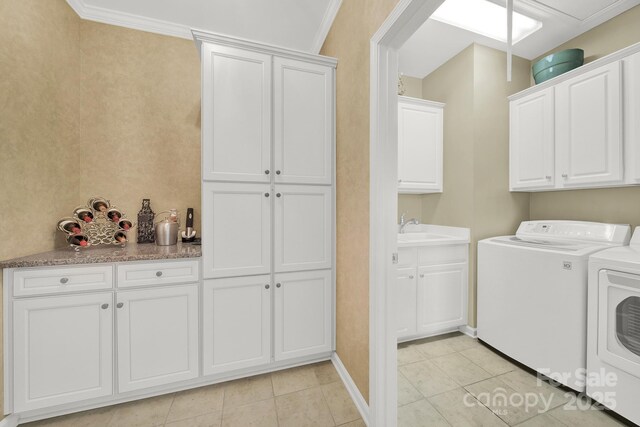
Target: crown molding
(127, 20)
(327, 21)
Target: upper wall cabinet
(420, 137)
(303, 122)
(580, 129)
(236, 125)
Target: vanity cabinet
(420, 146)
(157, 336)
(580, 129)
(432, 289)
(62, 349)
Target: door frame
(402, 22)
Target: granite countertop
(98, 254)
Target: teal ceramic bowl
(557, 63)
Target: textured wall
(616, 205)
(140, 119)
(348, 40)
(476, 146)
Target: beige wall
(348, 40)
(476, 193)
(617, 205)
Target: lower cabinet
(441, 297)
(406, 302)
(157, 336)
(303, 313)
(236, 323)
(62, 350)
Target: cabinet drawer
(157, 273)
(434, 255)
(41, 281)
(407, 257)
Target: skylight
(485, 18)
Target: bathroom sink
(428, 235)
(413, 237)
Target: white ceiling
(435, 42)
(294, 24)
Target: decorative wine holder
(98, 223)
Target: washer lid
(569, 248)
(576, 232)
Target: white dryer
(532, 293)
(613, 345)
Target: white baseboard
(468, 330)
(10, 420)
(353, 390)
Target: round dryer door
(619, 320)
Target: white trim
(325, 26)
(613, 57)
(469, 331)
(201, 36)
(10, 421)
(404, 20)
(351, 387)
(128, 20)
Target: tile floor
(311, 395)
(454, 380)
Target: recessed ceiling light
(485, 18)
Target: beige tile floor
(311, 395)
(454, 380)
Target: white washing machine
(532, 293)
(613, 344)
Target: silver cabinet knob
(564, 175)
(64, 280)
(120, 305)
(267, 286)
(158, 273)
(548, 177)
(267, 172)
(278, 195)
(278, 172)
(266, 194)
(410, 277)
(278, 285)
(399, 181)
(422, 275)
(104, 306)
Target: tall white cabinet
(268, 201)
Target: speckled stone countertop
(98, 254)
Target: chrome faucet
(404, 223)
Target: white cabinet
(236, 229)
(589, 127)
(406, 302)
(442, 297)
(62, 350)
(303, 227)
(303, 313)
(420, 146)
(236, 114)
(303, 122)
(236, 323)
(631, 73)
(157, 336)
(531, 146)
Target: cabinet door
(442, 297)
(419, 147)
(303, 314)
(303, 228)
(406, 302)
(157, 336)
(236, 114)
(589, 128)
(62, 350)
(303, 122)
(531, 142)
(631, 73)
(236, 229)
(236, 323)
